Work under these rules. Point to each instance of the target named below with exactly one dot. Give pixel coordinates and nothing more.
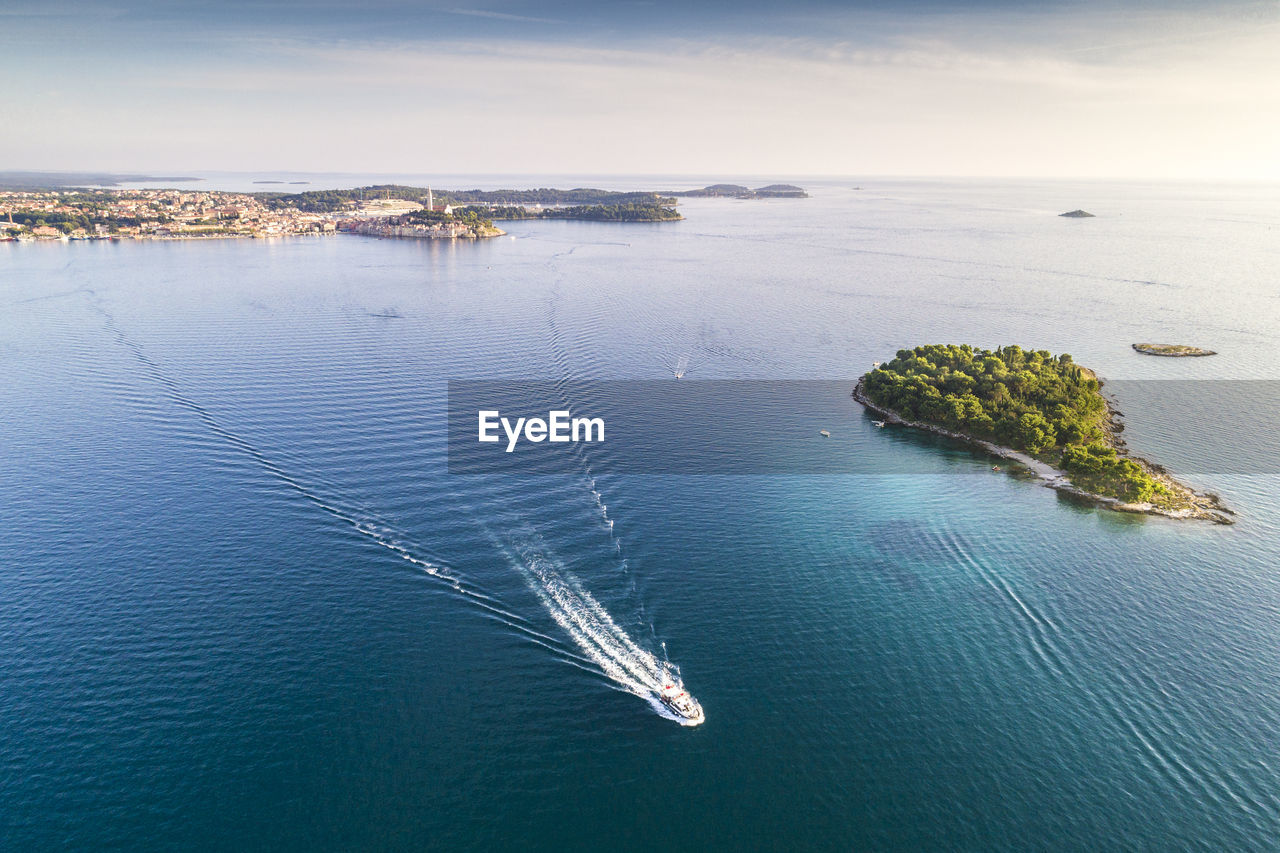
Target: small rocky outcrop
(1172, 350)
(1077, 214)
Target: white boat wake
(626, 663)
(682, 367)
(603, 641)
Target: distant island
(737, 191)
(1077, 214)
(53, 180)
(1173, 350)
(1042, 410)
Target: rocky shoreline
(1202, 506)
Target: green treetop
(1029, 400)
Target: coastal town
(88, 214)
(99, 214)
(73, 213)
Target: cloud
(997, 95)
(59, 10)
(502, 16)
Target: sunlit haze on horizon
(1117, 90)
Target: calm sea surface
(244, 605)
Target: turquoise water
(243, 604)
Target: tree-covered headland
(1030, 400)
(333, 201)
(622, 212)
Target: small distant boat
(879, 424)
(824, 433)
(682, 367)
(995, 467)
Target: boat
(879, 424)
(678, 701)
(824, 433)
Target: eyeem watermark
(795, 426)
(558, 428)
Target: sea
(246, 603)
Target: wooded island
(1034, 403)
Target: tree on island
(1030, 400)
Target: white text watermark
(558, 427)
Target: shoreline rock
(1201, 505)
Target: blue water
(244, 605)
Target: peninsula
(1041, 410)
(336, 201)
(586, 204)
(625, 212)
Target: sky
(1134, 90)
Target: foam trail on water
(361, 520)
(603, 509)
(624, 661)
